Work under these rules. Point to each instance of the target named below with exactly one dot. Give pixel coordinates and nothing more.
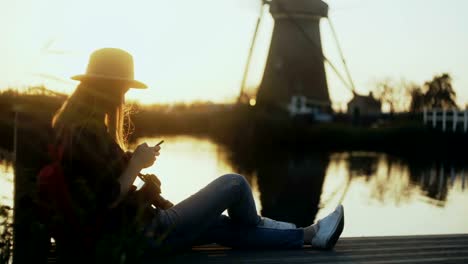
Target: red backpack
(55, 203)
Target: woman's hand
(145, 156)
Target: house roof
(369, 100)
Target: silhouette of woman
(99, 176)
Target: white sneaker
(273, 224)
(329, 229)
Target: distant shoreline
(244, 128)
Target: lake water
(382, 195)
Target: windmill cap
(299, 8)
(111, 64)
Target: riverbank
(247, 128)
(244, 128)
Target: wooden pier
(380, 250)
(398, 249)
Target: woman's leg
(324, 234)
(227, 233)
(187, 220)
(198, 220)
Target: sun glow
(197, 50)
(181, 55)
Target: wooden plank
(447, 236)
(400, 243)
(406, 249)
(383, 250)
(320, 257)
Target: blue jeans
(199, 220)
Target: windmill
(294, 79)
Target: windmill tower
(294, 76)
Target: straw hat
(111, 64)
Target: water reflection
(6, 183)
(290, 186)
(382, 194)
(395, 180)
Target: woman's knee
(234, 180)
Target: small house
(362, 105)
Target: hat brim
(131, 83)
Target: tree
(385, 91)
(394, 94)
(437, 93)
(440, 93)
(417, 100)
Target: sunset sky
(189, 50)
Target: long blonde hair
(92, 105)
